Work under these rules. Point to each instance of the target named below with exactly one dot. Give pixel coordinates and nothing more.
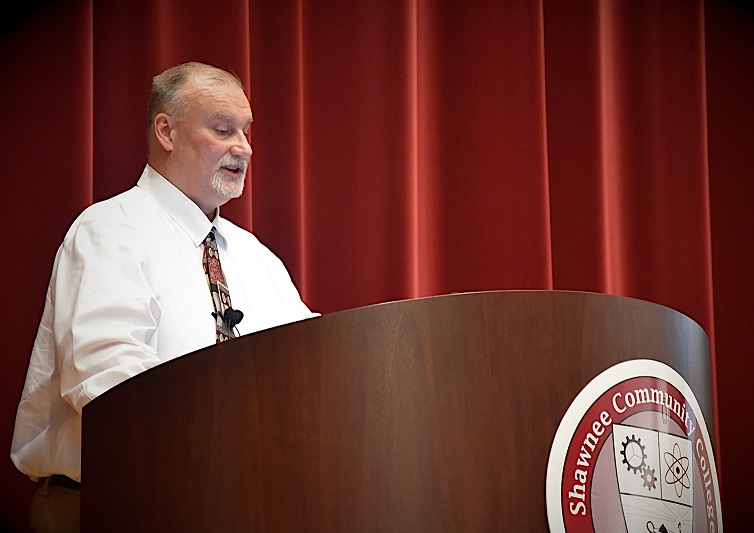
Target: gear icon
(649, 478)
(633, 454)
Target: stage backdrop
(413, 148)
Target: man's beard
(227, 186)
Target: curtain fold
(581, 248)
(47, 150)
(419, 147)
(729, 54)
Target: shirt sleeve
(105, 313)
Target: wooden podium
(433, 414)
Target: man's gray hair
(167, 88)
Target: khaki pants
(54, 509)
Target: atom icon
(677, 473)
(633, 454)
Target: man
(135, 282)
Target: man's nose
(242, 147)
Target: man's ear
(163, 130)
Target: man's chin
(234, 193)
(229, 188)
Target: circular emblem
(632, 454)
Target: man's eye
(221, 131)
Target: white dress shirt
(128, 292)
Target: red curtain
(417, 147)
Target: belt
(59, 480)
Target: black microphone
(232, 317)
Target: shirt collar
(180, 207)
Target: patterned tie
(217, 286)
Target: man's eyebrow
(228, 118)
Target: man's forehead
(225, 102)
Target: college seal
(632, 454)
